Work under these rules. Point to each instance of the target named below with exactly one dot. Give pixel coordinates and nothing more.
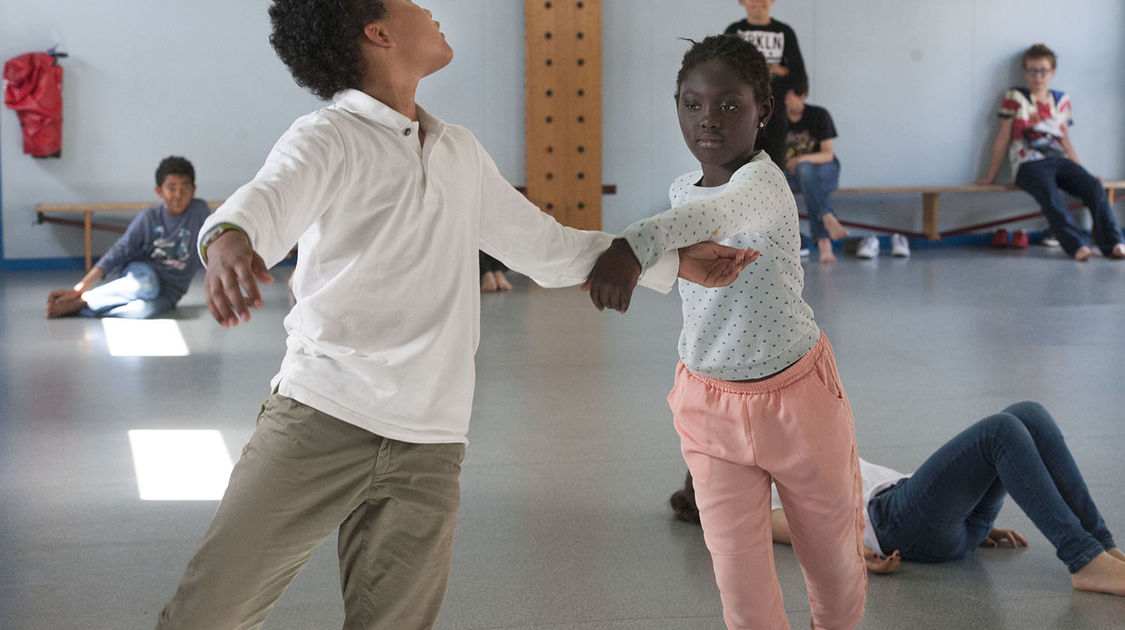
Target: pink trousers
(795, 429)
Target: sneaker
(1000, 239)
(804, 246)
(1049, 239)
(1019, 240)
(804, 252)
(899, 246)
(868, 248)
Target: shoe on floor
(1019, 240)
(1000, 239)
(899, 246)
(1049, 239)
(804, 252)
(868, 248)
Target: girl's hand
(878, 564)
(997, 536)
(614, 276)
(711, 265)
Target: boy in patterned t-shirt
(1033, 132)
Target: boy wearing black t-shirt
(811, 166)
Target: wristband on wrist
(214, 233)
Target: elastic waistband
(778, 381)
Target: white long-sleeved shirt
(387, 314)
(760, 324)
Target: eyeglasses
(1037, 72)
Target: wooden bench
(87, 211)
(930, 195)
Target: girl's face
(719, 116)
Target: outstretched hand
(614, 276)
(233, 268)
(713, 265)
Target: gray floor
(564, 521)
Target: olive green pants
(302, 475)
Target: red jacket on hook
(33, 87)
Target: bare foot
(487, 282)
(1116, 553)
(826, 255)
(1118, 251)
(835, 230)
(1083, 254)
(64, 305)
(502, 283)
(1104, 574)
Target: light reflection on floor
(180, 465)
(144, 338)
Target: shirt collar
(363, 104)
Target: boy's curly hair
(174, 165)
(318, 40)
(742, 57)
(1039, 51)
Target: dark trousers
(1047, 179)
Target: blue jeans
(1046, 180)
(133, 295)
(947, 508)
(816, 182)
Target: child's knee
(1005, 429)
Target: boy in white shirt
(366, 427)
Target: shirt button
(406, 132)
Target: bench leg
(930, 216)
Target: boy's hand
(233, 267)
(614, 276)
(713, 265)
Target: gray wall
(912, 87)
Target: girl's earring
(761, 124)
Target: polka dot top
(760, 324)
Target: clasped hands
(234, 271)
(617, 270)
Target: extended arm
(757, 199)
(297, 183)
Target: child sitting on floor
(156, 256)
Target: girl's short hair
(1039, 51)
(742, 57)
(318, 40)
